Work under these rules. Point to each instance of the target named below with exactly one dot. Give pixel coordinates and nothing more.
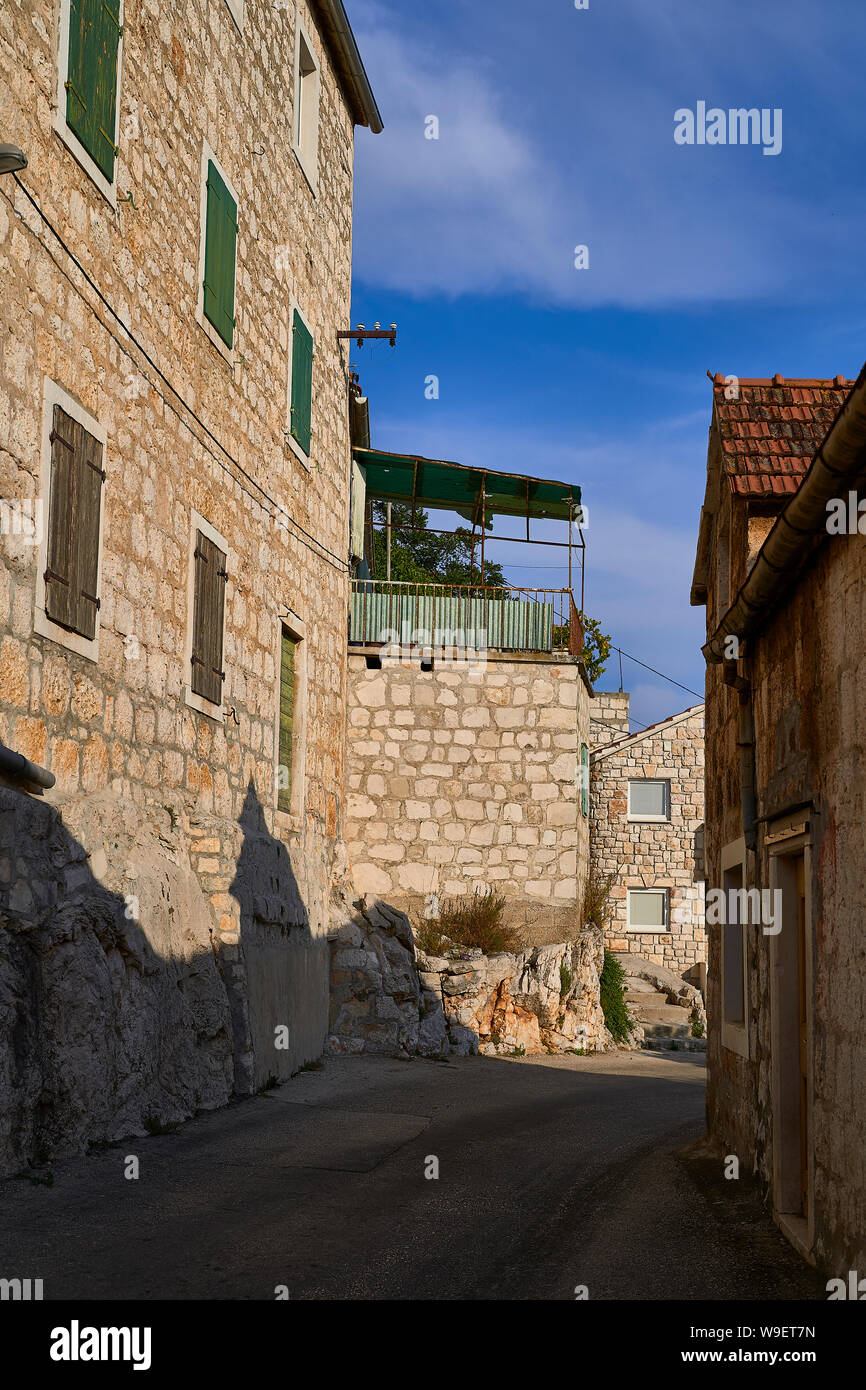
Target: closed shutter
(287, 721)
(72, 572)
(221, 231)
(584, 779)
(91, 85)
(207, 621)
(302, 382)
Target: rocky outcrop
(113, 1016)
(386, 996)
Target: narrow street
(553, 1173)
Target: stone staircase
(665, 1006)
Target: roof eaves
(347, 60)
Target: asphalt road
(554, 1173)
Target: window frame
(296, 627)
(637, 930)
(735, 1036)
(665, 783)
(305, 459)
(237, 10)
(309, 162)
(59, 122)
(191, 698)
(43, 626)
(208, 156)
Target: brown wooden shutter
(72, 572)
(207, 623)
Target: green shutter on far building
(302, 382)
(221, 231)
(287, 721)
(91, 78)
(584, 779)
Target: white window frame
(307, 461)
(59, 124)
(296, 627)
(207, 155)
(306, 151)
(73, 641)
(664, 782)
(236, 9)
(191, 698)
(638, 930)
(735, 1036)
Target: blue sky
(556, 130)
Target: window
(72, 478)
(649, 800)
(307, 88)
(208, 580)
(584, 779)
(301, 384)
(647, 909)
(220, 252)
(89, 71)
(288, 685)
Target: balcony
(383, 612)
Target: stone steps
(667, 1025)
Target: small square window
(649, 800)
(648, 909)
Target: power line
(322, 553)
(658, 673)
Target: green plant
(172, 815)
(566, 979)
(596, 648)
(475, 921)
(697, 1029)
(430, 939)
(596, 896)
(613, 1004)
(516, 1052)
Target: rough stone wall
(389, 997)
(653, 854)
(120, 727)
(808, 672)
(459, 779)
(608, 716)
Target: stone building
(646, 827)
(174, 468)
(468, 717)
(781, 569)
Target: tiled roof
(770, 434)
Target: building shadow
(279, 994)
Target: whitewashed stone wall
(459, 779)
(653, 854)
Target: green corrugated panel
(498, 623)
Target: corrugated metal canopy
(452, 487)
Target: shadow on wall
(284, 975)
(118, 1013)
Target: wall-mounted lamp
(12, 159)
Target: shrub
(597, 895)
(566, 980)
(613, 1004)
(430, 939)
(474, 921)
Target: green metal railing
(384, 612)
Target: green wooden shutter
(207, 619)
(584, 779)
(287, 721)
(91, 78)
(72, 572)
(221, 231)
(302, 382)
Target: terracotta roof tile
(771, 433)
